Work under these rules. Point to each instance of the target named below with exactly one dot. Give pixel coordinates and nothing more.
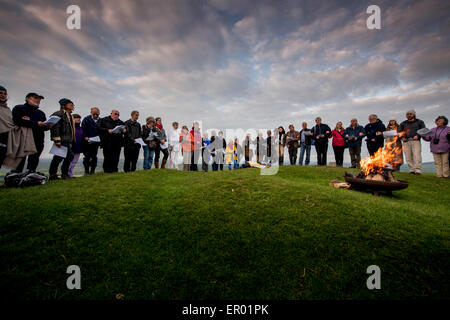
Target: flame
(384, 158)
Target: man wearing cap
(63, 134)
(131, 147)
(111, 141)
(30, 116)
(412, 146)
(90, 148)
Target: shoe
(53, 177)
(163, 164)
(156, 165)
(412, 173)
(418, 173)
(66, 176)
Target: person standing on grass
(174, 146)
(6, 123)
(218, 146)
(63, 134)
(205, 154)
(149, 133)
(269, 147)
(281, 145)
(321, 132)
(246, 147)
(230, 154)
(305, 144)
(391, 145)
(196, 140)
(338, 143)
(292, 139)
(260, 147)
(29, 115)
(186, 148)
(354, 135)
(440, 146)
(162, 145)
(90, 148)
(111, 142)
(374, 134)
(131, 147)
(411, 141)
(239, 153)
(78, 145)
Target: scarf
(159, 126)
(6, 122)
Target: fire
(384, 158)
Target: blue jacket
(355, 133)
(89, 127)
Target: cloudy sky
(231, 64)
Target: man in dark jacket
(374, 133)
(321, 133)
(90, 148)
(131, 147)
(111, 140)
(292, 140)
(305, 144)
(353, 136)
(412, 146)
(63, 135)
(246, 147)
(29, 115)
(217, 147)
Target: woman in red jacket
(338, 144)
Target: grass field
(225, 235)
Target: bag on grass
(27, 179)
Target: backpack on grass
(27, 179)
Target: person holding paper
(186, 147)
(321, 132)
(374, 133)
(174, 146)
(132, 147)
(205, 152)
(292, 139)
(281, 145)
(412, 147)
(29, 115)
(354, 135)
(111, 142)
(149, 133)
(63, 135)
(217, 147)
(305, 144)
(161, 145)
(440, 146)
(394, 143)
(90, 148)
(77, 147)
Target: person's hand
(163, 141)
(26, 118)
(40, 123)
(327, 132)
(422, 135)
(416, 138)
(378, 133)
(373, 140)
(124, 130)
(110, 131)
(58, 144)
(317, 137)
(361, 134)
(86, 138)
(346, 135)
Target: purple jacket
(79, 138)
(442, 133)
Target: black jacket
(35, 115)
(134, 131)
(215, 144)
(410, 128)
(110, 139)
(320, 129)
(371, 130)
(64, 130)
(89, 127)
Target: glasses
(116, 114)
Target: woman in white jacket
(174, 146)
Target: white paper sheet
(118, 129)
(391, 133)
(59, 151)
(140, 141)
(164, 145)
(52, 120)
(425, 131)
(94, 139)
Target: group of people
(22, 133)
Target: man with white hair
(174, 146)
(412, 146)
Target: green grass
(225, 235)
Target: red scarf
(159, 126)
